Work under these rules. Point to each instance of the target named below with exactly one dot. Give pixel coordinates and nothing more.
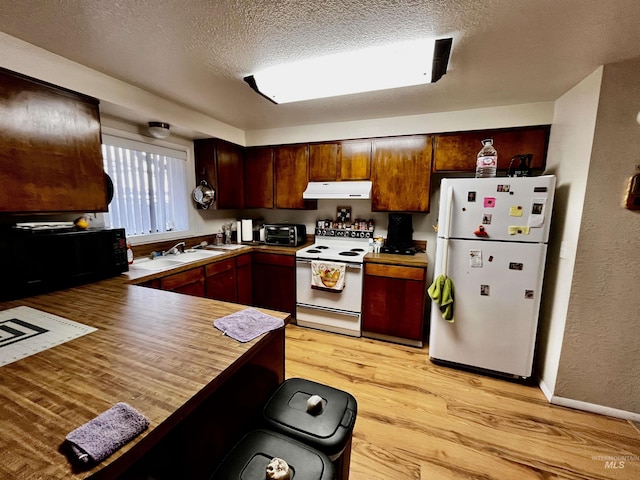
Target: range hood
(337, 190)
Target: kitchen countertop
(418, 260)
(139, 275)
(154, 349)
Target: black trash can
(248, 460)
(329, 430)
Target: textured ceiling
(197, 52)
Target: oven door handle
(328, 309)
(357, 266)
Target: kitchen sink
(226, 246)
(193, 255)
(156, 264)
(171, 261)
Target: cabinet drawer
(395, 271)
(272, 259)
(218, 267)
(178, 280)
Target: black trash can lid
(248, 460)
(328, 431)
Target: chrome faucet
(178, 247)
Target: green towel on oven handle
(441, 292)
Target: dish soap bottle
(487, 163)
(129, 253)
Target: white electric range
(332, 311)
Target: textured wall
(600, 357)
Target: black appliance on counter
(399, 235)
(285, 234)
(34, 261)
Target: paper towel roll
(247, 230)
(239, 232)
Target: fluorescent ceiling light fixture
(403, 64)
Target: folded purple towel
(247, 324)
(98, 438)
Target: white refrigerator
(492, 244)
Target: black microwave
(34, 261)
(285, 234)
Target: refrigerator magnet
(475, 258)
(518, 230)
(484, 290)
(515, 211)
(489, 202)
(528, 294)
(536, 217)
(471, 196)
(481, 232)
(486, 219)
(515, 266)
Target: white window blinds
(150, 187)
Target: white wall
(476, 119)
(568, 158)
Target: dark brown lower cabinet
(393, 305)
(244, 275)
(221, 280)
(274, 282)
(190, 282)
(228, 280)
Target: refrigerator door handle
(447, 226)
(447, 232)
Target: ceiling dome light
(159, 129)
(403, 64)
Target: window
(150, 188)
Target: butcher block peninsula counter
(159, 352)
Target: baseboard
(390, 338)
(594, 408)
(545, 390)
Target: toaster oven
(285, 234)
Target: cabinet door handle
(327, 309)
(355, 266)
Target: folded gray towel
(247, 324)
(98, 438)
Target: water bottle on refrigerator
(487, 163)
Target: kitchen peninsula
(155, 350)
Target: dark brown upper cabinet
(323, 162)
(401, 174)
(335, 161)
(457, 152)
(258, 177)
(50, 149)
(221, 164)
(355, 160)
(292, 177)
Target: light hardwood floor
(417, 420)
